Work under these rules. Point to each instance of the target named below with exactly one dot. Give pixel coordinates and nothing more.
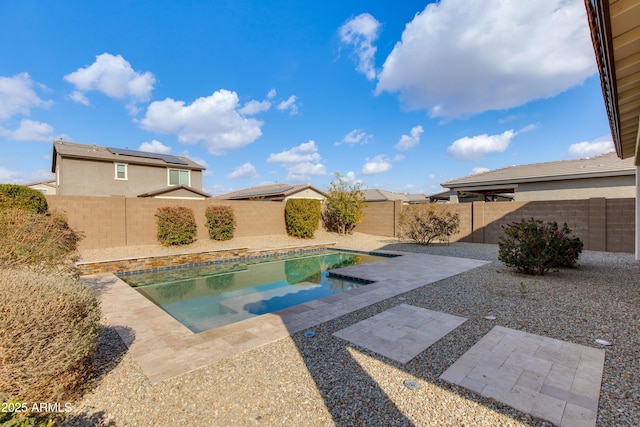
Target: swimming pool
(209, 296)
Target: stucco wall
(609, 187)
(306, 194)
(79, 177)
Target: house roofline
(603, 174)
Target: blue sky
(401, 96)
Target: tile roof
(377, 195)
(96, 152)
(268, 191)
(173, 189)
(591, 167)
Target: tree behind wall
(344, 206)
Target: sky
(400, 96)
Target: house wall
(306, 194)
(44, 188)
(81, 177)
(610, 187)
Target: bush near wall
(221, 222)
(176, 225)
(49, 329)
(302, 217)
(535, 247)
(426, 223)
(344, 206)
(38, 241)
(24, 198)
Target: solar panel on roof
(261, 193)
(168, 158)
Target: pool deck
(164, 348)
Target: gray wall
(78, 177)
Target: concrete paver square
(554, 380)
(402, 332)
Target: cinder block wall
(381, 218)
(602, 224)
(119, 221)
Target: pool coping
(164, 348)
(187, 259)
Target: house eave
(498, 182)
(615, 35)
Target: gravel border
(324, 381)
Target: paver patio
(551, 379)
(164, 348)
(402, 332)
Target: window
(121, 171)
(179, 177)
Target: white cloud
(475, 147)
(477, 170)
(290, 104)
(16, 177)
(7, 175)
(356, 136)
(463, 57)
(30, 130)
(350, 178)
(113, 76)
(214, 120)
(218, 189)
(377, 164)
(406, 142)
(589, 149)
(255, 107)
(301, 162)
(360, 33)
(155, 147)
(271, 94)
(18, 95)
(246, 170)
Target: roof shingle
(603, 165)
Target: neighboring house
(600, 176)
(276, 193)
(45, 187)
(376, 195)
(91, 170)
(445, 197)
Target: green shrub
(302, 217)
(344, 207)
(24, 198)
(49, 327)
(221, 222)
(36, 240)
(176, 225)
(426, 223)
(535, 247)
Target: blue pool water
(209, 296)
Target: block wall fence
(602, 224)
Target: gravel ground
(323, 381)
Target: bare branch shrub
(40, 241)
(425, 223)
(49, 327)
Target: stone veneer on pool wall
(180, 260)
